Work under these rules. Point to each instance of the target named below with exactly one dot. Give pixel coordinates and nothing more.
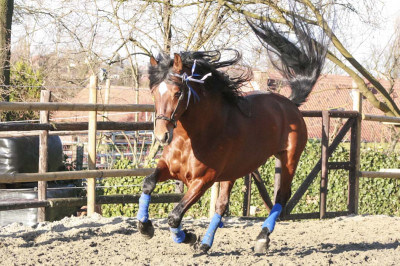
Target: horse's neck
(206, 118)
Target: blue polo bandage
(273, 216)
(212, 228)
(177, 234)
(143, 212)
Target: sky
(379, 38)
(392, 12)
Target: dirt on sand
(95, 240)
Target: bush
(377, 195)
(26, 84)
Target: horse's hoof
(146, 229)
(190, 238)
(204, 248)
(262, 241)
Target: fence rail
(35, 106)
(72, 175)
(76, 202)
(332, 113)
(381, 118)
(128, 126)
(372, 174)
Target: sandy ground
(366, 240)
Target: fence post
(247, 195)
(92, 127)
(105, 118)
(214, 197)
(324, 163)
(354, 175)
(43, 167)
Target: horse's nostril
(166, 137)
(163, 138)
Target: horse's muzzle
(164, 138)
(163, 131)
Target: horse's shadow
(323, 248)
(94, 230)
(339, 248)
(217, 254)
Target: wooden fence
(353, 124)
(42, 129)
(323, 165)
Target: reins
(190, 91)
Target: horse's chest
(184, 165)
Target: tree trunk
(167, 14)
(6, 13)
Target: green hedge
(377, 195)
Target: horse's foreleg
(220, 207)
(195, 190)
(144, 224)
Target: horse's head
(171, 95)
(175, 83)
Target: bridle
(184, 90)
(172, 119)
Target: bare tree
(6, 14)
(314, 15)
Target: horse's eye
(178, 94)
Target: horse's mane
(206, 62)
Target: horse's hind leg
(220, 207)
(285, 167)
(288, 161)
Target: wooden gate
(323, 165)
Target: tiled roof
(118, 95)
(333, 92)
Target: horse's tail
(299, 61)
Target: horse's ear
(153, 61)
(177, 63)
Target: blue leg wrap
(143, 212)
(273, 216)
(212, 228)
(177, 234)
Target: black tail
(300, 62)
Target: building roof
(334, 92)
(118, 95)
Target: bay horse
(212, 132)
